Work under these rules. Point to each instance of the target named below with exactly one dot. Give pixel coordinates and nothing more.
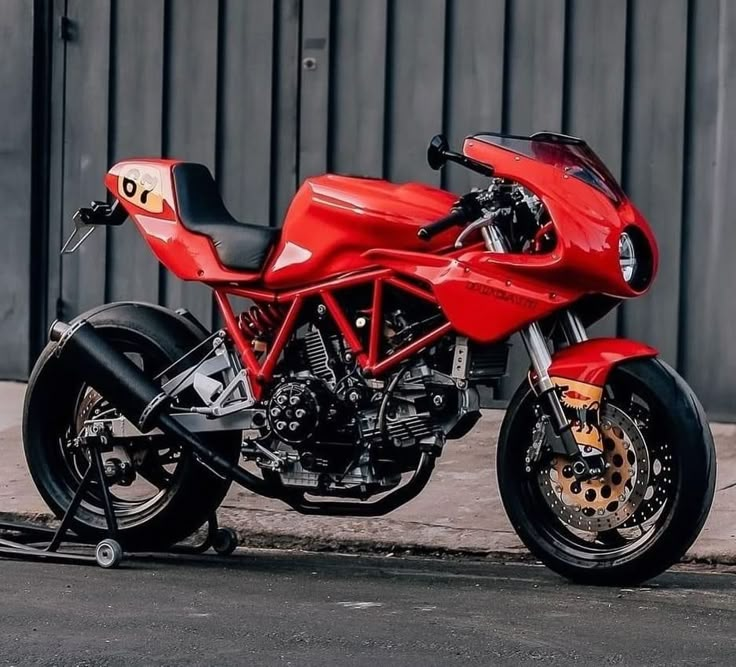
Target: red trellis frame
(369, 360)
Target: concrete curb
(319, 543)
(290, 542)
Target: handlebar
(466, 209)
(456, 218)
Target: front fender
(580, 372)
(592, 360)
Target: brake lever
(473, 227)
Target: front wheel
(647, 509)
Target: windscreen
(571, 155)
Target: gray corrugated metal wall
(267, 92)
(16, 119)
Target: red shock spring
(260, 321)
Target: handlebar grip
(458, 216)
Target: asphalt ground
(294, 608)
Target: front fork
(562, 440)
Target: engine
(330, 431)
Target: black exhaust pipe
(136, 396)
(110, 372)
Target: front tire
(655, 515)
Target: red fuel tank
(333, 219)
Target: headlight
(627, 257)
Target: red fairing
(334, 220)
(592, 360)
(587, 222)
(345, 231)
(484, 301)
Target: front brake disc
(608, 501)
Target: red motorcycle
(370, 340)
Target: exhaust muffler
(136, 396)
(110, 372)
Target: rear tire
(188, 495)
(684, 486)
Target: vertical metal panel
(85, 148)
(475, 72)
(57, 114)
(653, 166)
(708, 354)
(416, 81)
(358, 86)
(16, 116)
(191, 115)
(285, 108)
(535, 66)
(595, 76)
(533, 96)
(314, 90)
(594, 85)
(245, 129)
(136, 102)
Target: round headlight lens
(627, 257)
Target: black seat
(239, 245)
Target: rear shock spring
(259, 322)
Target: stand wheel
(108, 554)
(225, 541)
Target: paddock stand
(28, 539)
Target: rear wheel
(162, 494)
(641, 516)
